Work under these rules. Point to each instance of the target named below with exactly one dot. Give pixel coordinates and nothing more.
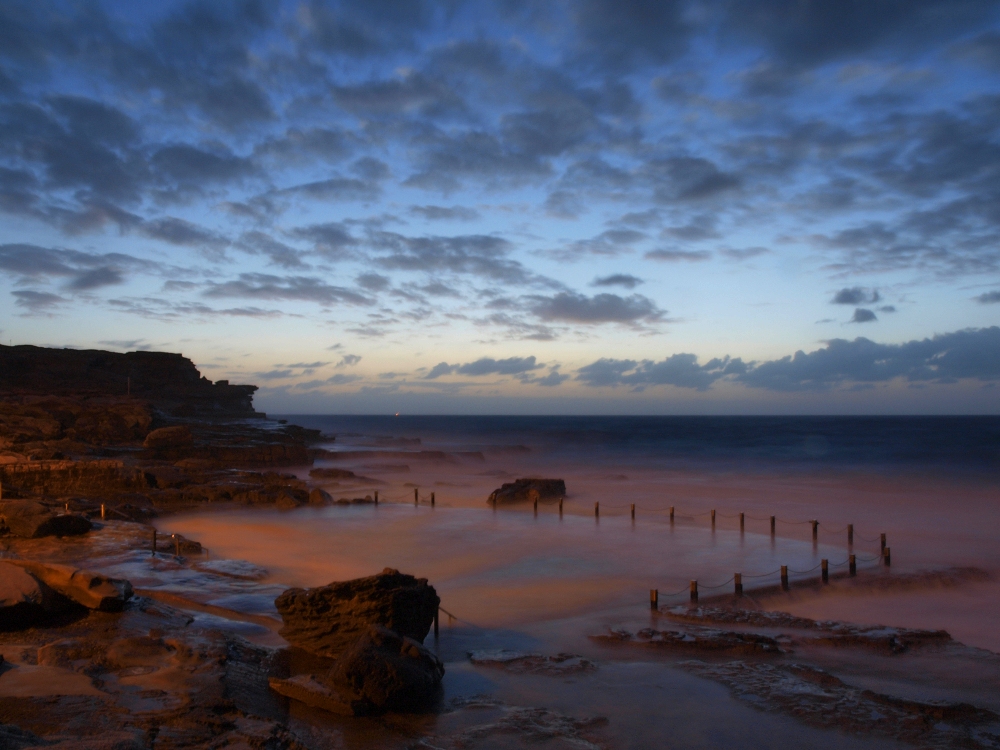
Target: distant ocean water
(961, 443)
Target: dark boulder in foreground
(178, 436)
(382, 671)
(528, 490)
(92, 590)
(29, 519)
(328, 620)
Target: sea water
(520, 577)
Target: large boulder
(169, 437)
(382, 671)
(24, 600)
(329, 619)
(528, 490)
(92, 590)
(30, 519)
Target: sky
(588, 206)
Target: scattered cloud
(626, 280)
(863, 315)
(988, 298)
(601, 308)
(855, 295)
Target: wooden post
(713, 519)
(850, 534)
(886, 557)
(1, 490)
(815, 530)
(536, 506)
(633, 511)
(882, 543)
(432, 499)
(738, 584)
(103, 515)
(772, 525)
(784, 578)
(67, 507)
(694, 591)
(560, 507)
(597, 510)
(852, 565)
(824, 569)
(671, 514)
(742, 522)
(154, 541)
(177, 544)
(436, 613)
(654, 599)
(416, 496)
(376, 497)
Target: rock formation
(330, 619)
(382, 671)
(528, 490)
(29, 519)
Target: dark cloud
(336, 189)
(279, 253)
(626, 280)
(553, 379)
(887, 309)
(690, 256)
(608, 242)
(620, 35)
(332, 240)
(488, 366)
(413, 93)
(700, 227)
(98, 277)
(601, 308)
(988, 298)
(972, 353)
(984, 50)
(680, 370)
(343, 379)
(477, 254)
(812, 32)
(83, 270)
(373, 282)
(855, 295)
(362, 29)
(180, 232)
(454, 213)
(862, 315)
(349, 360)
(36, 301)
(744, 253)
(687, 178)
(296, 288)
(188, 165)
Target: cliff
(170, 382)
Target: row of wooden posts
(852, 569)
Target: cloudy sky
(590, 206)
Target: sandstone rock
(308, 689)
(329, 619)
(319, 497)
(30, 519)
(92, 590)
(384, 671)
(169, 437)
(528, 490)
(21, 598)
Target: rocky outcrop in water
(330, 619)
(382, 671)
(527, 491)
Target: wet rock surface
(528, 490)
(821, 699)
(694, 640)
(819, 632)
(329, 619)
(518, 662)
(91, 590)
